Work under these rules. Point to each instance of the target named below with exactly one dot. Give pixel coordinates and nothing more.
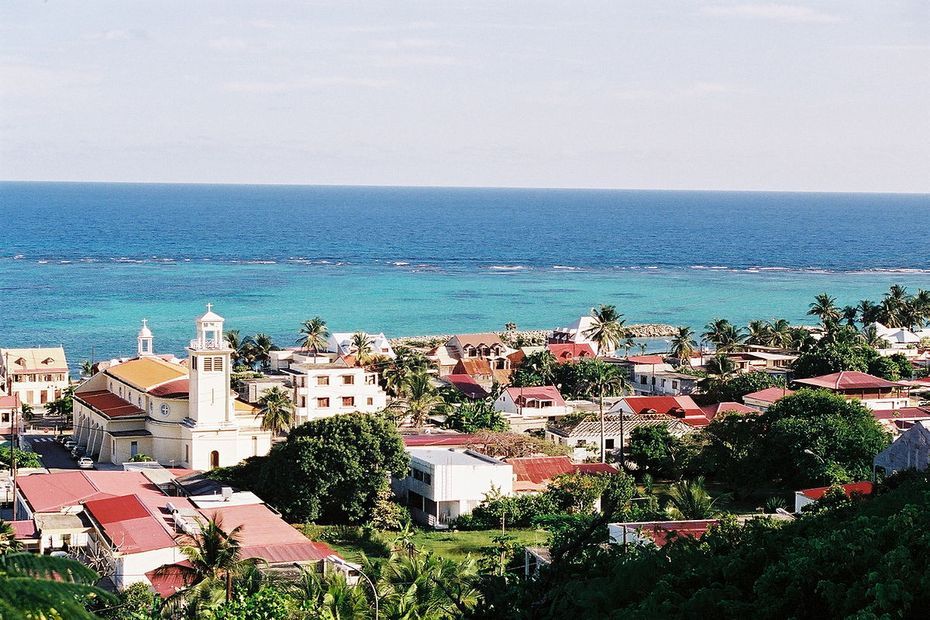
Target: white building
(445, 484)
(324, 388)
(36, 375)
(535, 402)
(185, 416)
(575, 333)
(341, 343)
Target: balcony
(207, 345)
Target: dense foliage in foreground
(863, 557)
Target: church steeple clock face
(165, 409)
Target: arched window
(214, 459)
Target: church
(181, 415)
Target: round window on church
(165, 409)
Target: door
(214, 459)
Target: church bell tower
(209, 361)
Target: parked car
(77, 452)
(69, 444)
(85, 462)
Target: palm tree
(276, 410)
(607, 379)
(780, 333)
(41, 586)
(313, 335)
(850, 314)
(420, 400)
(403, 541)
(689, 499)
(607, 329)
(361, 343)
(870, 336)
(868, 311)
(723, 334)
(235, 343)
(922, 304)
(720, 366)
(331, 595)
(759, 333)
(824, 308)
(87, 368)
(510, 326)
(8, 542)
(683, 345)
(262, 345)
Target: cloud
(287, 86)
(125, 34)
(774, 12)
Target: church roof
(145, 373)
(210, 315)
(109, 404)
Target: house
(251, 390)
(896, 421)
(652, 375)
(467, 386)
(341, 344)
(535, 402)
(442, 440)
(681, 407)
(445, 484)
(585, 435)
(657, 533)
(874, 392)
(567, 352)
(763, 399)
(325, 388)
(575, 333)
(10, 408)
(179, 415)
(36, 375)
(487, 346)
(485, 372)
(516, 358)
(533, 473)
(899, 339)
(911, 450)
(805, 497)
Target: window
(214, 459)
(674, 385)
(218, 364)
(322, 403)
(427, 478)
(187, 451)
(642, 379)
(370, 401)
(370, 379)
(208, 364)
(348, 380)
(417, 474)
(348, 401)
(608, 444)
(324, 380)
(194, 362)
(133, 448)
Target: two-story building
(874, 392)
(323, 387)
(36, 376)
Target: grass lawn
(454, 545)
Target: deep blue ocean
(81, 264)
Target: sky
(819, 96)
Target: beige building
(37, 376)
(181, 415)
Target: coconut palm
(261, 346)
(313, 335)
(420, 400)
(683, 344)
(8, 542)
(331, 595)
(41, 586)
(689, 499)
(723, 334)
(759, 333)
(276, 411)
(234, 342)
(510, 326)
(406, 363)
(605, 379)
(824, 308)
(87, 368)
(868, 311)
(361, 344)
(720, 366)
(850, 314)
(607, 330)
(922, 305)
(870, 336)
(780, 333)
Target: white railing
(207, 345)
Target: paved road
(54, 455)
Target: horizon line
(456, 187)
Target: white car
(85, 462)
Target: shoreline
(640, 330)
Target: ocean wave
(19, 257)
(507, 267)
(400, 263)
(566, 268)
(261, 262)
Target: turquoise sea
(82, 264)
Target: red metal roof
(267, 536)
(903, 413)
(661, 532)
(540, 469)
(170, 578)
(129, 525)
(848, 380)
(712, 411)
(467, 386)
(52, 492)
(108, 403)
(179, 387)
(24, 530)
(769, 395)
(9, 402)
(861, 488)
(570, 351)
(646, 359)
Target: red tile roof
(108, 403)
(769, 395)
(712, 411)
(24, 530)
(571, 351)
(861, 488)
(129, 525)
(179, 387)
(848, 380)
(903, 413)
(9, 402)
(646, 359)
(445, 440)
(682, 407)
(467, 386)
(265, 535)
(537, 470)
(542, 392)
